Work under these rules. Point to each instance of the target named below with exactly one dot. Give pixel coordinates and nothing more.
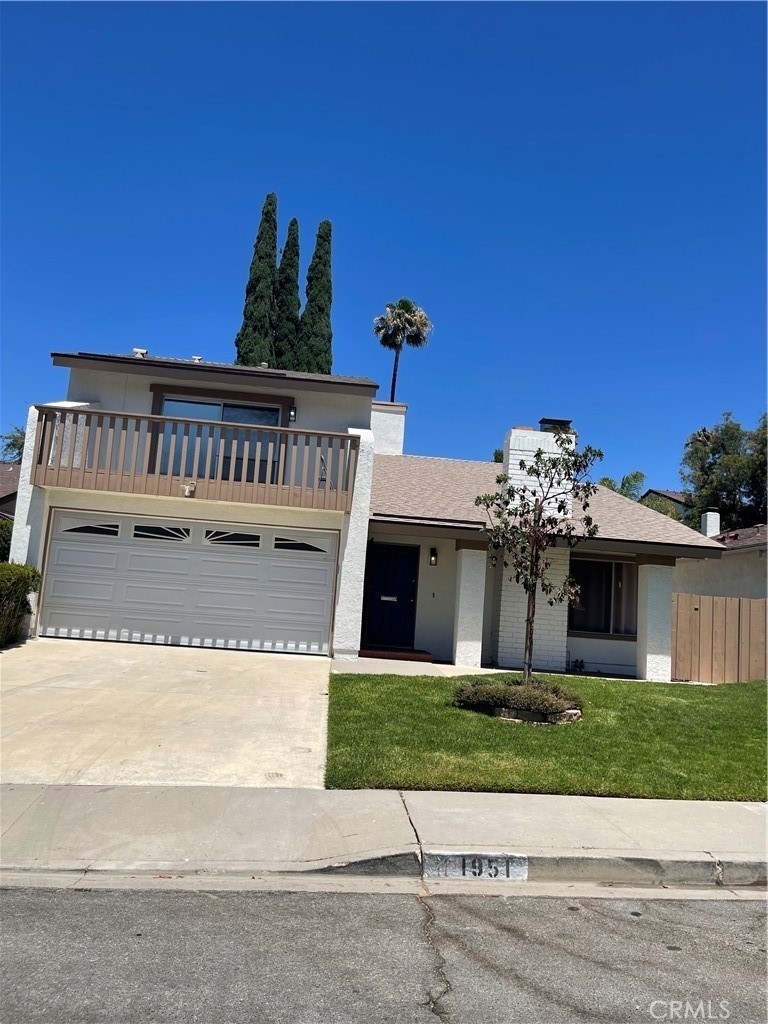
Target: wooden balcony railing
(157, 455)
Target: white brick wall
(550, 625)
(520, 444)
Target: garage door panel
(86, 591)
(153, 594)
(208, 602)
(78, 556)
(304, 575)
(296, 607)
(150, 562)
(146, 585)
(229, 569)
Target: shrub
(16, 583)
(479, 693)
(6, 529)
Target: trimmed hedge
(16, 583)
(484, 694)
(6, 529)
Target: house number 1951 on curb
(504, 867)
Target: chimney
(522, 443)
(710, 522)
(388, 426)
(551, 426)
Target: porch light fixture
(292, 414)
(433, 556)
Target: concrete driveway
(92, 713)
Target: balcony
(157, 455)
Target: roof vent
(197, 359)
(140, 352)
(263, 366)
(551, 426)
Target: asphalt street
(130, 957)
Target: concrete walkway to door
(86, 712)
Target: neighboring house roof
(149, 363)
(678, 496)
(413, 488)
(745, 537)
(9, 478)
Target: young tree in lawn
(287, 302)
(404, 323)
(315, 334)
(255, 339)
(526, 519)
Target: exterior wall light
(433, 556)
(292, 414)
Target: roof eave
(206, 372)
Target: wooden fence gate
(718, 639)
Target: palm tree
(630, 486)
(404, 323)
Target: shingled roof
(418, 489)
(744, 537)
(9, 478)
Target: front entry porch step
(395, 655)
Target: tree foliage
(12, 445)
(526, 520)
(630, 486)
(661, 504)
(255, 339)
(287, 302)
(315, 354)
(724, 467)
(404, 323)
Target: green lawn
(636, 739)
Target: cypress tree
(287, 302)
(254, 341)
(315, 335)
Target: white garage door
(178, 582)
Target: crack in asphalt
(434, 1000)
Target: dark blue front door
(391, 582)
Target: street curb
(598, 867)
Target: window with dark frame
(607, 601)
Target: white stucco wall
(604, 655)
(735, 574)
(654, 622)
(468, 607)
(550, 624)
(388, 426)
(126, 392)
(354, 541)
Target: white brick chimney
(522, 443)
(710, 522)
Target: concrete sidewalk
(187, 830)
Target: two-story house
(186, 502)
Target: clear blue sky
(575, 193)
